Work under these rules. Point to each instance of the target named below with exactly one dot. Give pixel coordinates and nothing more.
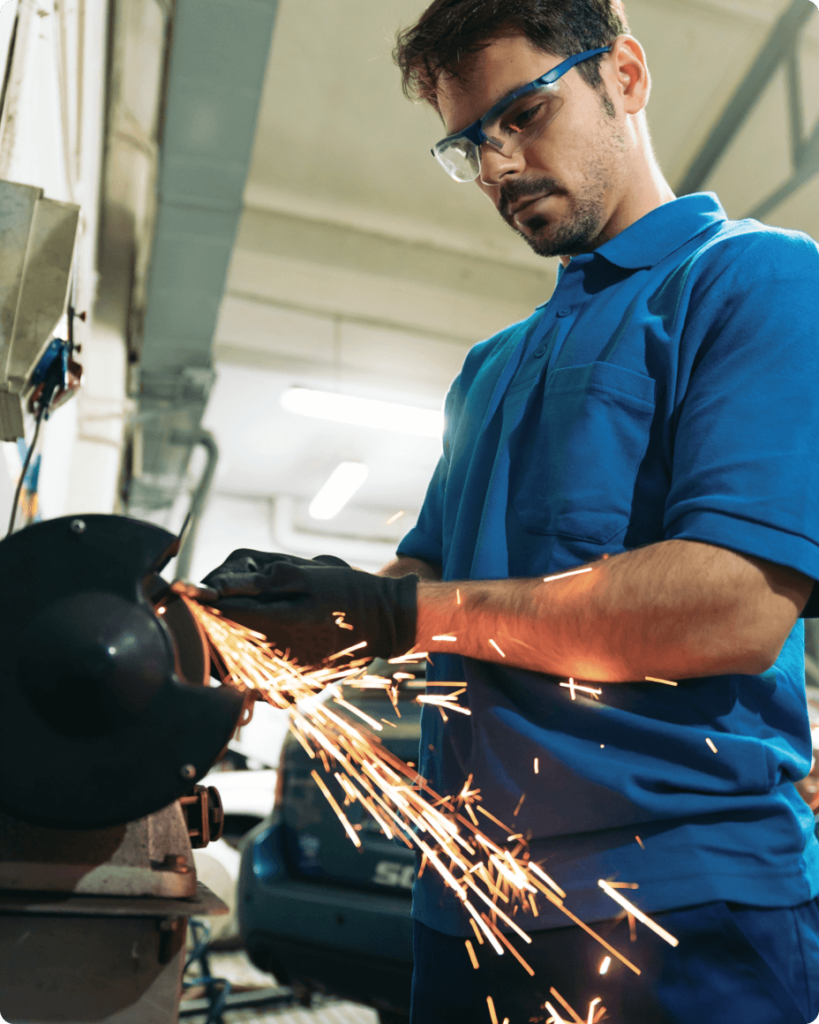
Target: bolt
(78, 525)
(187, 771)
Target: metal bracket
(204, 814)
(780, 49)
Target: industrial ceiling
(359, 267)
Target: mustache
(513, 191)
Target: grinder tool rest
(107, 721)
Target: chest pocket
(578, 449)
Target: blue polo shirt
(666, 390)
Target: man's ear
(630, 74)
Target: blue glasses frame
(475, 133)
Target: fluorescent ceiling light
(341, 485)
(364, 412)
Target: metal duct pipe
(199, 497)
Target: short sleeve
(425, 539)
(745, 462)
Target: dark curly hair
(451, 30)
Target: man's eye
(523, 119)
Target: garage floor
(242, 975)
(336, 1013)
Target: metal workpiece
(106, 712)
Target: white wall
(52, 139)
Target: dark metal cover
(98, 724)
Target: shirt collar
(648, 241)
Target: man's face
(561, 192)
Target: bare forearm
(679, 609)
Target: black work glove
(233, 575)
(299, 603)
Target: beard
(574, 234)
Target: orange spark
(472, 956)
(564, 575)
(592, 1005)
(607, 889)
(665, 682)
(640, 842)
(347, 650)
(458, 595)
(331, 800)
(500, 652)
(573, 687)
(575, 1016)
(492, 1014)
(537, 765)
(392, 519)
(450, 639)
(711, 744)
(604, 966)
(520, 804)
(529, 970)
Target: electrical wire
(19, 489)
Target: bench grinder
(107, 723)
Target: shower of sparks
(564, 575)
(392, 519)
(626, 905)
(711, 744)
(492, 882)
(574, 689)
(665, 682)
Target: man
(655, 424)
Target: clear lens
(521, 123)
(512, 128)
(460, 159)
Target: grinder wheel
(105, 711)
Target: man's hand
(313, 608)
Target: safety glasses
(514, 123)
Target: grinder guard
(98, 724)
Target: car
(317, 912)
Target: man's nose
(496, 165)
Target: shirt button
(539, 352)
(565, 311)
